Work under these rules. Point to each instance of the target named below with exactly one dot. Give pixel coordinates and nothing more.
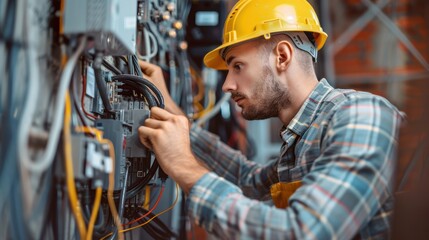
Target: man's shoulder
(342, 97)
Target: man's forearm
(187, 175)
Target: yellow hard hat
(251, 19)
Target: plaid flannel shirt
(341, 144)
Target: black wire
(152, 232)
(130, 62)
(137, 186)
(160, 227)
(57, 219)
(183, 217)
(137, 66)
(102, 89)
(112, 68)
(108, 226)
(142, 89)
(141, 80)
(100, 222)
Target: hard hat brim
(213, 59)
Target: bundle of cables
(156, 228)
(131, 84)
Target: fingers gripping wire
(126, 78)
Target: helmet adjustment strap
(301, 41)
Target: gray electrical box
(111, 23)
(134, 147)
(116, 132)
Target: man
(333, 177)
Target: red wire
(151, 210)
(83, 97)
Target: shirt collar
(306, 114)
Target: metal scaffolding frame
(374, 10)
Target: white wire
(45, 161)
(155, 44)
(214, 111)
(28, 191)
(149, 40)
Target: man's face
(253, 84)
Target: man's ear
(284, 53)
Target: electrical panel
(112, 23)
(72, 98)
(72, 101)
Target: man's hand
(168, 136)
(153, 73)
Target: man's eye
(237, 67)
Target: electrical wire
(150, 43)
(137, 66)
(102, 88)
(75, 99)
(138, 186)
(157, 215)
(144, 82)
(151, 210)
(110, 67)
(124, 190)
(131, 67)
(96, 206)
(210, 105)
(106, 142)
(122, 197)
(100, 222)
(74, 201)
(82, 98)
(200, 94)
(150, 99)
(186, 91)
(214, 111)
(29, 108)
(46, 160)
(161, 231)
(146, 198)
(110, 199)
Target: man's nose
(229, 84)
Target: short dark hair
(267, 46)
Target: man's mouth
(238, 99)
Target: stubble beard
(269, 97)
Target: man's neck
(299, 91)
